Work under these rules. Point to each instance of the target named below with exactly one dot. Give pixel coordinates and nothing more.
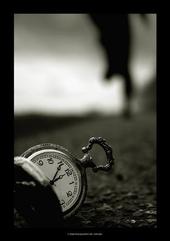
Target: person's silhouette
(116, 39)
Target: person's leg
(128, 91)
(128, 85)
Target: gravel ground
(126, 196)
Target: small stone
(133, 221)
(151, 212)
(86, 222)
(151, 220)
(142, 205)
(137, 214)
(132, 195)
(119, 207)
(130, 209)
(105, 207)
(129, 194)
(149, 205)
(108, 192)
(141, 225)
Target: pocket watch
(67, 174)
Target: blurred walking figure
(116, 39)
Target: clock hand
(60, 177)
(58, 169)
(51, 182)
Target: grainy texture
(126, 196)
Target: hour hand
(60, 177)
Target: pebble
(151, 212)
(86, 222)
(108, 192)
(142, 205)
(133, 221)
(105, 207)
(149, 205)
(151, 220)
(137, 214)
(130, 209)
(132, 195)
(119, 207)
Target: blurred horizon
(59, 63)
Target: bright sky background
(58, 64)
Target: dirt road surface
(126, 196)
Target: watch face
(63, 174)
